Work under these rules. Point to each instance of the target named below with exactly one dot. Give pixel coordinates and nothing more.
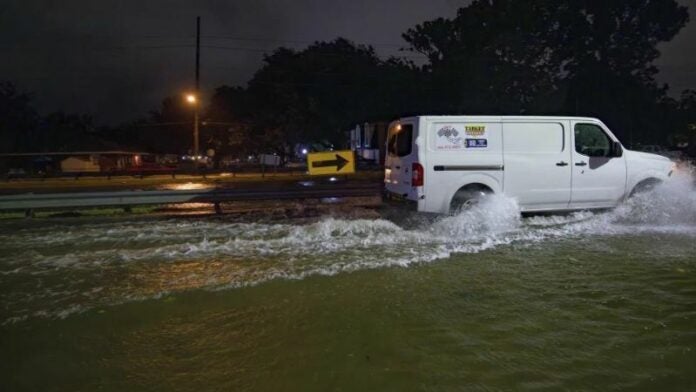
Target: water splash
(672, 203)
(57, 269)
(494, 214)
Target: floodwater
(484, 300)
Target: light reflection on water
(189, 186)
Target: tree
(580, 57)
(167, 130)
(68, 132)
(490, 58)
(18, 120)
(315, 95)
(686, 131)
(608, 49)
(226, 127)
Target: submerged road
(194, 192)
(483, 299)
(182, 181)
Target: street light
(193, 100)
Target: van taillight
(416, 174)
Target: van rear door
(402, 153)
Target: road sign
(331, 162)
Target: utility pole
(196, 149)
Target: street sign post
(331, 162)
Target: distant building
(80, 164)
(78, 161)
(369, 141)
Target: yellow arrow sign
(331, 162)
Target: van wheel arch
(468, 195)
(645, 186)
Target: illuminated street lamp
(193, 100)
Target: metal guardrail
(28, 202)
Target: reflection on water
(189, 186)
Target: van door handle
(581, 164)
(562, 163)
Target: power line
(162, 124)
(293, 41)
(262, 39)
(96, 48)
(260, 50)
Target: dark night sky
(116, 59)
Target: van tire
(645, 186)
(468, 196)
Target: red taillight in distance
(416, 174)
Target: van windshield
(400, 140)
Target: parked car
(546, 163)
(16, 173)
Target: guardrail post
(218, 209)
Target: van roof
(499, 118)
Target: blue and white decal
(476, 143)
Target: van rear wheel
(468, 197)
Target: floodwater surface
(483, 300)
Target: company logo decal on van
(474, 130)
(448, 138)
(476, 143)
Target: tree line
(536, 57)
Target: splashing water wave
(79, 266)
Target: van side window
(591, 140)
(400, 141)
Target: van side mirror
(616, 150)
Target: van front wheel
(645, 186)
(468, 197)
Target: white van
(546, 163)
